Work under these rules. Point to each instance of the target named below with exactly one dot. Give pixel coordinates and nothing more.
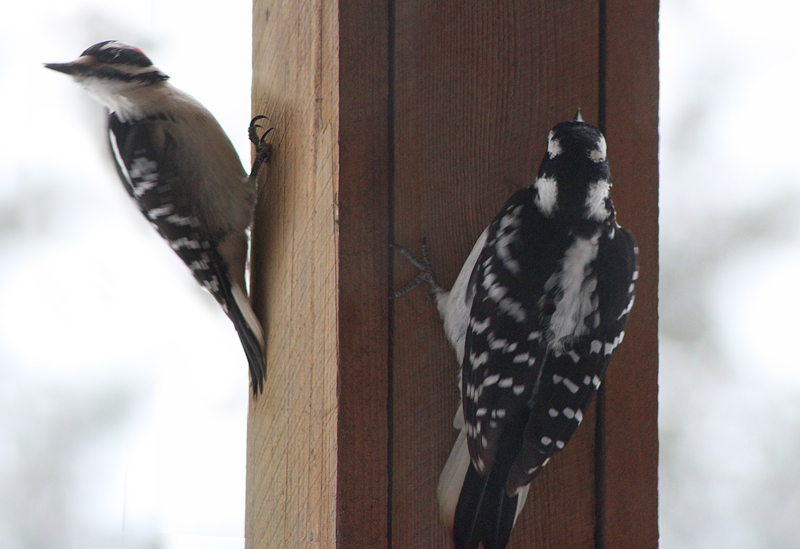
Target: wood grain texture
(292, 461)
(317, 439)
(477, 91)
(347, 442)
(631, 430)
(363, 477)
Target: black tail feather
(250, 342)
(485, 513)
(251, 347)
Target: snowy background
(123, 388)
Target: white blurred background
(123, 388)
(730, 274)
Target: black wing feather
(510, 363)
(145, 154)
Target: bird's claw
(426, 273)
(263, 149)
(252, 131)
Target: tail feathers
(236, 304)
(476, 509)
(452, 479)
(251, 335)
(522, 497)
(484, 513)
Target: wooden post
(410, 118)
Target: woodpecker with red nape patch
(535, 315)
(177, 163)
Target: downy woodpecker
(535, 314)
(177, 163)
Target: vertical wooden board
(363, 215)
(476, 92)
(631, 504)
(291, 458)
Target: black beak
(67, 68)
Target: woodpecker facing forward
(176, 162)
(535, 315)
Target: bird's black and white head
(574, 178)
(113, 73)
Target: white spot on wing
(143, 175)
(627, 309)
(184, 242)
(491, 380)
(182, 221)
(573, 388)
(161, 211)
(479, 327)
(506, 382)
(478, 361)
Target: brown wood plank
(363, 479)
(292, 429)
(631, 499)
(476, 92)
(318, 437)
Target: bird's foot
(426, 273)
(263, 149)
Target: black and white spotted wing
(145, 154)
(515, 377)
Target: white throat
(129, 101)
